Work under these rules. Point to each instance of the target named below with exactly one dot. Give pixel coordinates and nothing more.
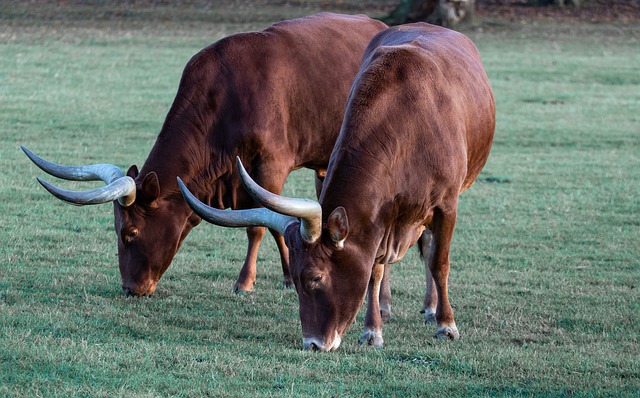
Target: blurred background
(446, 12)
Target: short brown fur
(417, 131)
(274, 98)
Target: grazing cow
(417, 131)
(274, 98)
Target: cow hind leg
(247, 277)
(442, 228)
(431, 296)
(385, 295)
(372, 334)
(287, 282)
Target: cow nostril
(313, 344)
(128, 291)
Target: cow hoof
(447, 333)
(429, 315)
(243, 286)
(241, 290)
(371, 337)
(385, 313)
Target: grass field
(545, 260)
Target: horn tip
(183, 188)
(181, 184)
(47, 186)
(53, 191)
(26, 151)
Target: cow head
(329, 271)
(149, 233)
(149, 227)
(330, 280)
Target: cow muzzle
(316, 344)
(146, 289)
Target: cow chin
(317, 344)
(144, 289)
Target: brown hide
(417, 131)
(274, 98)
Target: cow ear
(151, 186)
(133, 171)
(338, 227)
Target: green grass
(545, 259)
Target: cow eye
(129, 235)
(315, 281)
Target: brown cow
(274, 98)
(417, 131)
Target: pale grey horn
(119, 187)
(236, 218)
(309, 211)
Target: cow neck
(186, 145)
(361, 205)
(376, 225)
(375, 197)
(192, 163)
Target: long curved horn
(309, 211)
(117, 190)
(236, 218)
(119, 186)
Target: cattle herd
(396, 123)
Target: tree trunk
(439, 12)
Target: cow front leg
(385, 295)
(287, 282)
(372, 333)
(247, 277)
(442, 228)
(271, 176)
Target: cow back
(276, 96)
(417, 131)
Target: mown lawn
(545, 261)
